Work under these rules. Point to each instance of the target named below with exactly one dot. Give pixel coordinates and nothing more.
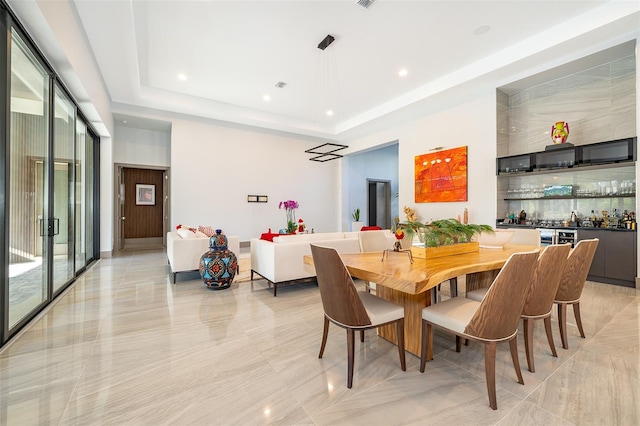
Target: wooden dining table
(409, 283)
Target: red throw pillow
(269, 236)
(370, 228)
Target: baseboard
(244, 244)
(606, 280)
(106, 254)
(139, 243)
(638, 282)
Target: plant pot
(356, 226)
(407, 241)
(448, 250)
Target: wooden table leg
(413, 304)
(453, 287)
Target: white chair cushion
(478, 294)
(453, 314)
(379, 310)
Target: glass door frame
(4, 181)
(55, 222)
(9, 22)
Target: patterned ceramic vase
(560, 132)
(219, 265)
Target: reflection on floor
(27, 288)
(125, 346)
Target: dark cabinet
(558, 158)
(615, 258)
(608, 152)
(597, 266)
(621, 256)
(515, 164)
(566, 157)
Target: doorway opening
(379, 203)
(141, 207)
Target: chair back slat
(339, 295)
(546, 280)
(576, 270)
(373, 241)
(499, 312)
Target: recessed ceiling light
(403, 72)
(329, 113)
(124, 121)
(182, 77)
(483, 29)
(266, 98)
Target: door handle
(50, 232)
(57, 223)
(42, 230)
(122, 218)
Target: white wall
(471, 122)
(106, 196)
(379, 164)
(142, 147)
(215, 167)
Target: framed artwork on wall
(441, 176)
(145, 195)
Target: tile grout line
(562, 364)
(95, 342)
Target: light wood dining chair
(349, 308)
(494, 319)
(571, 285)
(539, 301)
(373, 241)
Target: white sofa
(281, 261)
(184, 253)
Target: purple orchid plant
(290, 207)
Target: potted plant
(451, 231)
(447, 237)
(356, 225)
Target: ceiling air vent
(280, 84)
(365, 3)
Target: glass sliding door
(89, 207)
(29, 183)
(80, 194)
(49, 170)
(64, 131)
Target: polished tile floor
(125, 346)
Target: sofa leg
(174, 277)
(252, 275)
(275, 289)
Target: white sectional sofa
(184, 253)
(281, 261)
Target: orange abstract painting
(441, 176)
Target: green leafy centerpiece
(450, 231)
(447, 237)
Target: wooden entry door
(143, 215)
